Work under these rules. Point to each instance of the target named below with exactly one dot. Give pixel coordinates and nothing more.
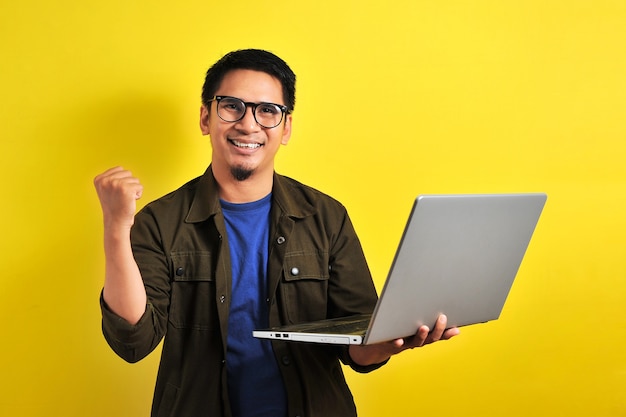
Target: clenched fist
(118, 192)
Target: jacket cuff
(123, 337)
(363, 369)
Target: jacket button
(286, 360)
(180, 272)
(295, 271)
(280, 240)
(222, 298)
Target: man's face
(245, 148)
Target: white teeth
(246, 145)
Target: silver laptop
(458, 256)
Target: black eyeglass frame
(284, 110)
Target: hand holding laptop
(365, 355)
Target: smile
(245, 145)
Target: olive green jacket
(316, 270)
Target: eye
(268, 109)
(231, 105)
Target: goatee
(240, 173)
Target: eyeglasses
(233, 109)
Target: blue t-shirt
(255, 385)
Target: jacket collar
(206, 201)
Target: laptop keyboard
(345, 325)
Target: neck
(251, 189)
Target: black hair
(251, 59)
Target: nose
(248, 121)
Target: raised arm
(124, 292)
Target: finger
(398, 343)
(450, 333)
(117, 179)
(418, 339)
(113, 170)
(113, 174)
(108, 173)
(121, 177)
(439, 329)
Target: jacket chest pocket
(192, 303)
(305, 286)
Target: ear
(204, 119)
(286, 130)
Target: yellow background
(394, 99)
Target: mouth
(245, 145)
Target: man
(238, 248)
